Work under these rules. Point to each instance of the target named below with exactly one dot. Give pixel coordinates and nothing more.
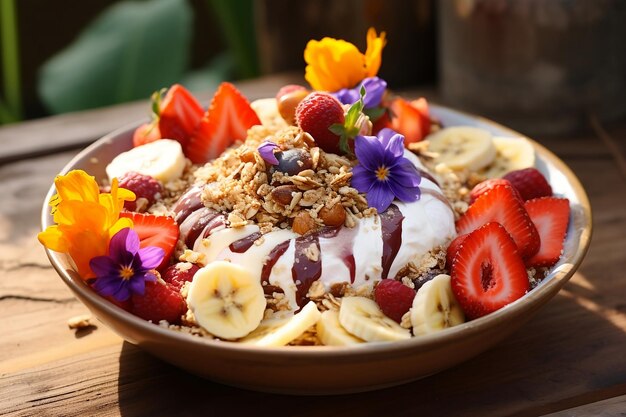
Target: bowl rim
(551, 283)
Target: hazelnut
(303, 223)
(283, 194)
(288, 102)
(334, 216)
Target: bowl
(326, 369)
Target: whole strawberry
(159, 302)
(176, 275)
(530, 183)
(316, 114)
(144, 187)
(393, 298)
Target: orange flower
(333, 64)
(85, 218)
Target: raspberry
(482, 187)
(316, 114)
(159, 302)
(177, 274)
(144, 186)
(530, 183)
(393, 298)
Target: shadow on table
(564, 357)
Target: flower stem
(10, 62)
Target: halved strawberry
(179, 114)
(550, 216)
(453, 248)
(484, 186)
(160, 231)
(530, 183)
(228, 119)
(501, 205)
(487, 272)
(146, 133)
(411, 119)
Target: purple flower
(127, 268)
(374, 89)
(383, 173)
(266, 149)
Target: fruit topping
(393, 298)
(511, 154)
(176, 275)
(435, 307)
(316, 114)
(463, 147)
(363, 318)
(501, 205)
(331, 332)
(159, 231)
(551, 217)
(179, 114)
(146, 133)
(287, 100)
(487, 272)
(160, 301)
(410, 119)
(162, 160)
(292, 161)
(530, 183)
(228, 119)
(147, 190)
(484, 186)
(453, 248)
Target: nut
(283, 194)
(303, 223)
(334, 216)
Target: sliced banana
(226, 300)
(511, 154)
(463, 147)
(281, 331)
(331, 332)
(162, 159)
(435, 307)
(364, 319)
(267, 110)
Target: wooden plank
(613, 407)
(76, 130)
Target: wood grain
(568, 360)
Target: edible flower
(383, 173)
(125, 270)
(85, 218)
(266, 150)
(333, 64)
(374, 89)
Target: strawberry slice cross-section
(551, 217)
(487, 272)
(159, 231)
(228, 119)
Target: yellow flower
(333, 64)
(85, 218)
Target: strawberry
(159, 302)
(146, 133)
(487, 185)
(487, 272)
(453, 248)
(179, 114)
(287, 89)
(550, 216)
(530, 183)
(501, 205)
(176, 275)
(411, 119)
(160, 231)
(394, 298)
(316, 114)
(228, 119)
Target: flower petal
(380, 196)
(333, 64)
(266, 150)
(369, 151)
(150, 257)
(405, 194)
(374, 90)
(405, 174)
(393, 144)
(137, 284)
(362, 179)
(374, 51)
(104, 266)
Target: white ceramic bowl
(325, 369)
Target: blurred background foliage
(75, 55)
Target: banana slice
(281, 331)
(162, 159)
(267, 110)
(331, 332)
(511, 154)
(463, 147)
(435, 307)
(363, 318)
(226, 300)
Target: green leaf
(375, 113)
(129, 51)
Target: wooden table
(569, 360)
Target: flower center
(382, 173)
(127, 272)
